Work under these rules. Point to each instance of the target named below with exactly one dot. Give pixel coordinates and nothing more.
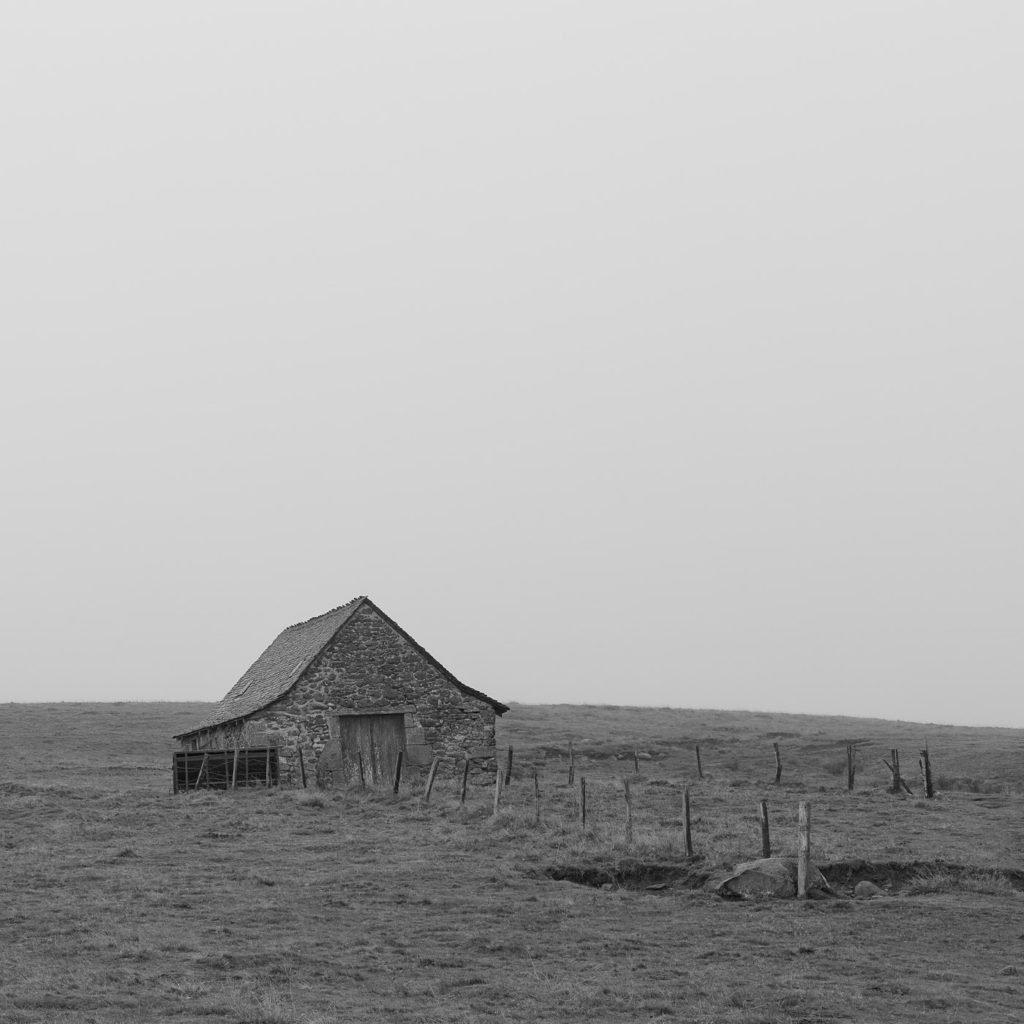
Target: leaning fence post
(778, 763)
(398, 770)
(766, 842)
(202, 769)
(430, 779)
(700, 771)
(803, 861)
(629, 813)
(687, 836)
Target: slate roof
(282, 664)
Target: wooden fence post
(851, 768)
(398, 770)
(430, 779)
(778, 764)
(766, 842)
(572, 764)
(898, 781)
(234, 769)
(687, 836)
(926, 772)
(636, 761)
(629, 814)
(465, 782)
(497, 788)
(803, 862)
(583, 802)
(508, 768)
(700, 771)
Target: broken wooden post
(572, 764)
(398, 770)
(687, 836)
(778, 764)
(926, 772)
(850, 768)
(430, 779)
(898, 782)
(465, 781)
(803, 861)
(766, 842)
(700, 771)
(497, 788)
(629, 814)
(302, 769)
(508, 768)
(536, 797)
(583, 802)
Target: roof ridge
(323, 615)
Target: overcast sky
(635, 353)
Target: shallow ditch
(630, 875)
(891, 876)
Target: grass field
(120, 902)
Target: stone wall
(370, 667)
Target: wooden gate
(225, 769)
(375, 740)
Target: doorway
(365, 748)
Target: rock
(770, 876)
(866, 891)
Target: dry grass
(123, 903)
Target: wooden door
(378, 738)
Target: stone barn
(335, 699)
